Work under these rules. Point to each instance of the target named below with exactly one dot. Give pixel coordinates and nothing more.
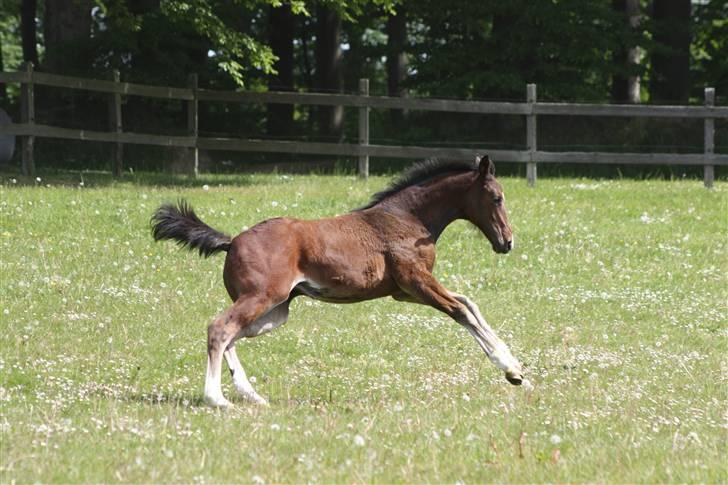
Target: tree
(709, 62)
(11, 52)
(281, 28)
(67, 32)
(492, 49)
(396, 54)
(670, 75)
(329, 75)
(626, 77)
(28, 10)
(3, 88)
(397, 61)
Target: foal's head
(485, 207)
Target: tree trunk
(280, 35)
(3, 86)
(67, 28)
(670, 80)
(503, 38)
(329, 74)
(626, 83)
(140, 7)
(397, 58)
(306, 55)
(27, 31)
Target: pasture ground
(614, 298)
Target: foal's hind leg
(240, 379)
(221, 333)
(274, 318)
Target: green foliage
(709, 50)
(492, 49)
(181, 37)
(12, 52)
(235, 52)
(460, 48)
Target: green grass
(614, 298)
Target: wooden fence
(28, 129)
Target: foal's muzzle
(503, 247)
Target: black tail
(181, 224)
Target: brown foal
(386, 248)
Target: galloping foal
(386, 248)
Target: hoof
(251, 396)
(515, 378)
(217, 402)
(257, 399)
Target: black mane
(417, 174)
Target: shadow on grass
(159, 399)
(90, 179)
(196, 400)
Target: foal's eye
(498, 200)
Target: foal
(386, 248)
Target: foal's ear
(486, 166)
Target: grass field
(614, 298)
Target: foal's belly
(342, 261)
(334, 293)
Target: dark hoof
(515, 379)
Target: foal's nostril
(509, 245)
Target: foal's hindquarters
(259, 277)
(276, 260)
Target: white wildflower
(527, 385)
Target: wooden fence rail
(531, 109)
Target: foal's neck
(437, 203)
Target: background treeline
(624, 51)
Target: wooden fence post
(364, 129)
(27, 116)
(193, 126)
(115, 126)
(531, 134)
(709, 140)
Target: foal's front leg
(499, 352)
(424, 288)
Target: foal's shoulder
(392, 223)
